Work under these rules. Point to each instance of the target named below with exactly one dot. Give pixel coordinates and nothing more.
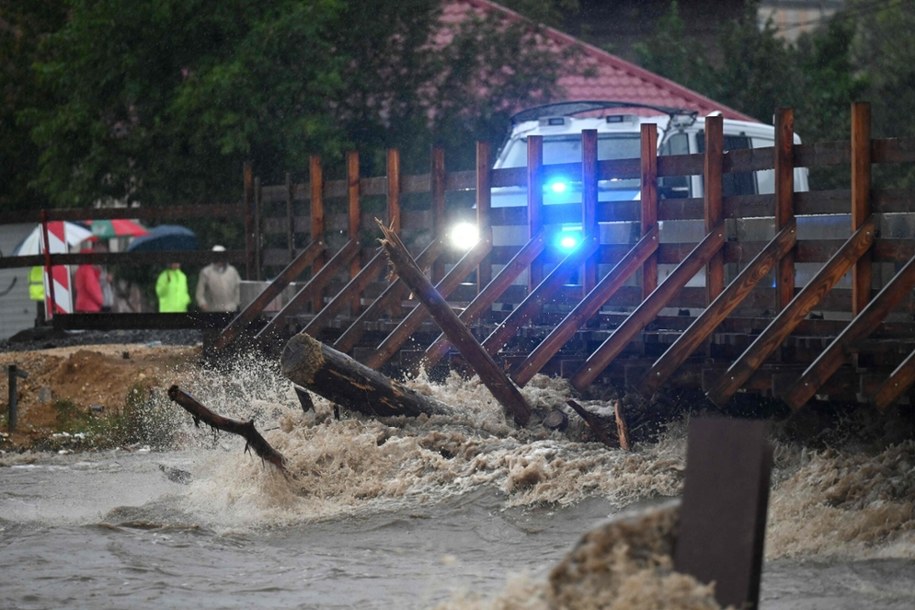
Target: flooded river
(460, 512)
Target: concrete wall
(17, 312)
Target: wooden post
(484, 207)
(258, 226)
(649, 201)
(290, 217)
(492, 376)
(535, 201)
(861, 279)
(316, 188)
(784, 201)
(437, 187)
(725, 501)
(249, 215)
(354, 215)
(714, 162)
(393, 171)
(589, 226)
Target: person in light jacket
(171, 288)
(219, 286)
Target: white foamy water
(453, 512)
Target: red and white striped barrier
(59, 296)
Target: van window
(567, 149)
(735, 183)
(674, 187)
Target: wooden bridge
(764, 302)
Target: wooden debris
(602, 426)
(349, 383)
(492, 376)
(246, 430)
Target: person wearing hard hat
(219, 286)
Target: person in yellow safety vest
(171, 288)
(36, 283)
(36, 292)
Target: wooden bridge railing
(748, 294)
(619, 285)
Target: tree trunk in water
(350, 384)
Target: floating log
(348, 383)
(244, 429)
(493, 377)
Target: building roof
(594, 74)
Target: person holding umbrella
(171, 289)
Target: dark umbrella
(165, 238)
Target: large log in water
(350, 384)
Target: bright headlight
(464, 235)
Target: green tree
(674, 54)
(22, 27)
(162, 100)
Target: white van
(618, 126)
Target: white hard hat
(218, 248)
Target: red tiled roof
(597, 75)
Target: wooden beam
(714, 163)
(479, 359)
(316, 187)
(648, 175)
(542, 293)
(693, 337)
(900, 380)
(595, 364)
(587, 308)
(784, 201)
(389, 346)
(247, 315)
(589, 202)
(862, 272)
(484, 300)
(836, 354)
(484, 209)
(393, 194)
(534, 201)
(249, 213)
(787, 320)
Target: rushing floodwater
(463, 512)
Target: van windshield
(567, 149)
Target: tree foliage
(161, 101)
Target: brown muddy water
(459, 512)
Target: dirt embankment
(93, 380)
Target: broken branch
(246, 430)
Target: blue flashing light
(567, 240)
(556, 185)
